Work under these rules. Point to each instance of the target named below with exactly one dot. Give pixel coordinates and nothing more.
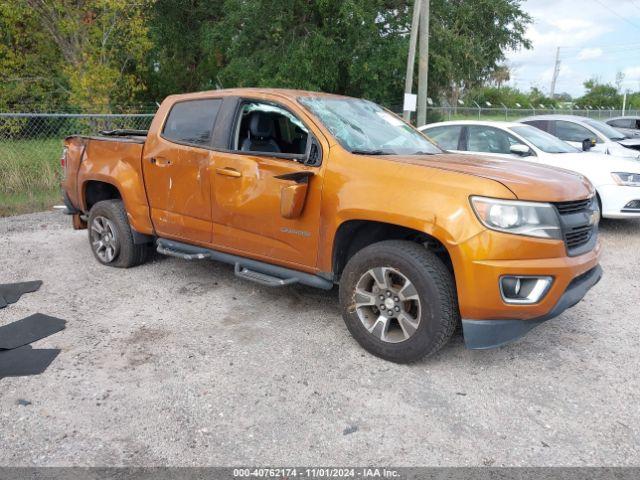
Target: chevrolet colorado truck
(294, 187)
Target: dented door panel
(247, 209)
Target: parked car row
(612, 166)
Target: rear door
(267, 144)
(574, 134)
(177, 165)
(449, 137)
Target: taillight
(63, 158)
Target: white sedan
(617, 180)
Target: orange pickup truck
(318, 189)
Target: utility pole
(423, 63)
(411, 59)
(556, 72)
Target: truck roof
(291, 94)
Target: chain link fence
(441, 114)
(31, 145)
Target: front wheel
(398, 300)
(111, 238)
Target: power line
(617, 14)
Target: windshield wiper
(371, 152)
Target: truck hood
(527, 181)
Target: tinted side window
(541, 124)
(489, 140)
(192, 121)
(447, 137)
(572, 132)
(621, 123)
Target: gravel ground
(179, 363)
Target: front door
(269, 143)
(177, 165)
(484, 139)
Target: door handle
(229, 172)
(160, 161)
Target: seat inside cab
(268, 128)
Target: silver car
(629, 125)
(587, 133)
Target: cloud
(589, 53)
(592, 38)
(571, 24)
(632, 74)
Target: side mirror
(313, 153)
(293, 197)
(292, 200)
(587, 143)
(521, 150)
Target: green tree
(184, 57)
(30, 73)
(468, 41)
(537, 98)
(599, 95)
(353, 47)
(103, 44)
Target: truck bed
(114, 159)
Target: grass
(29, 175)
(29, 202)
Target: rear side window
(446, 137)
(572, 132)
(541, 124)
(621, 123)
(192, 121)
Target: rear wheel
(398, 300)
(111, 238)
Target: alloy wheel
(387, 304)
(104, 240)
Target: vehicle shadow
(620, 226)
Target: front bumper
(484, 334)
(615, 197)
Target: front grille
(573, 207)
(578, 236)
(578, 228)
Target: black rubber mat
(11, 292)
(24, 361)
(28, 330)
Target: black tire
(127, 253)
(435, 288)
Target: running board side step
(246, 268)
(263, 278)
(176, 253)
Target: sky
(597, 38)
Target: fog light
(524, 289)
(633, 205)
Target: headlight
(626, 179)
(520, 218)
